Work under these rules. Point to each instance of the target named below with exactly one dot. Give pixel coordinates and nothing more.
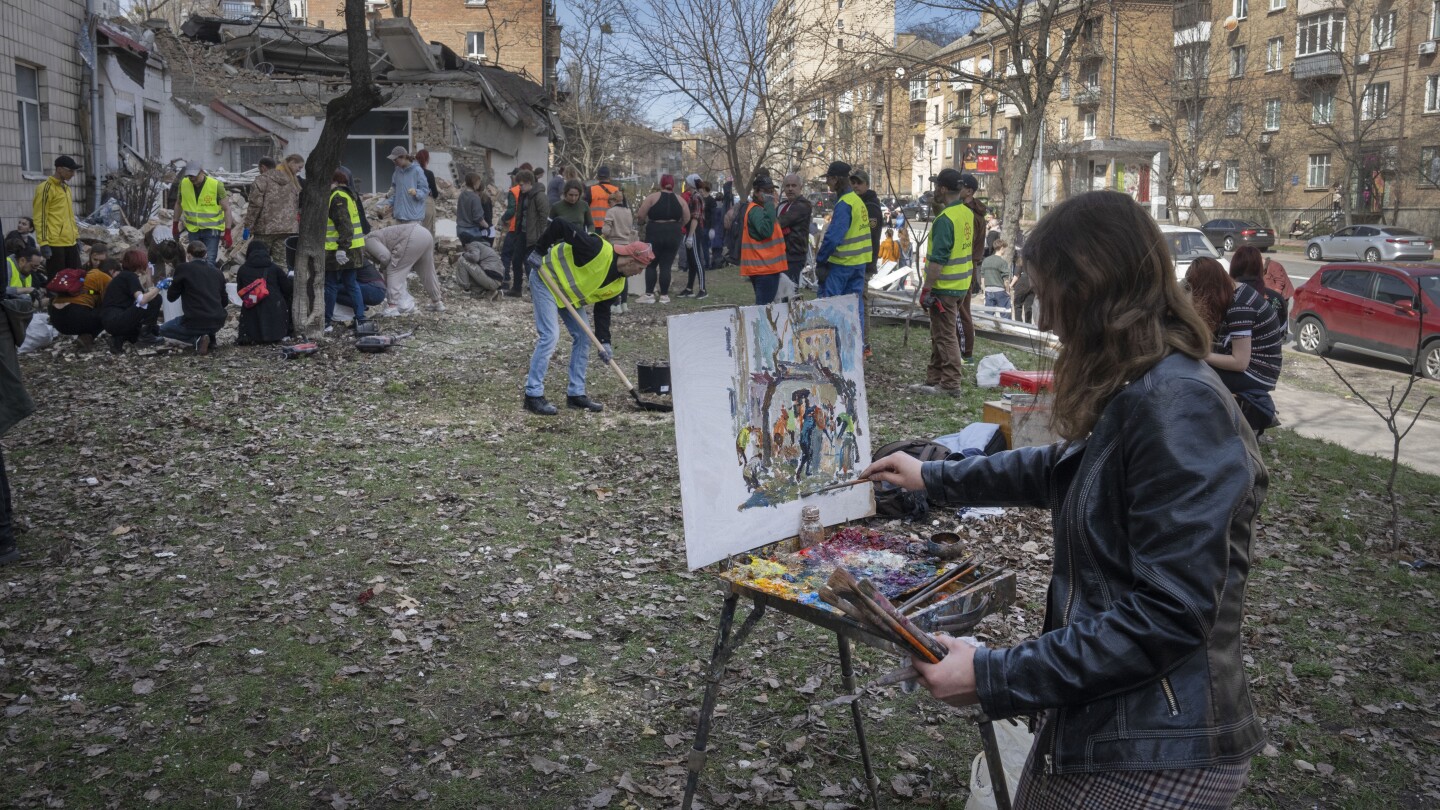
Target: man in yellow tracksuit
(948, 276)
(846, 248)
(53, 212)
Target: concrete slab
(1351, 424)
(404, 45)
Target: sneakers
(664, 299)
(647, 298)
(925, 388)
(702, 294)
(390, 312)
(951, 392)
(685, 293)
(202, 345)
(435, 306)
(329, 329)
(583, 403)
(540, 406)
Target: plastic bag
(107, 215)
(785, 290)
(1014, 741)
(38, 334)
(987, 374)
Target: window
(839, 43)
(840, 5)
(1432, 93)
(1435, 19)
(152, 134)
(1430, 165)
(1277, 5)
(27, 102)
(1272, 115)
(1391, 290)
(1232, 175)
(1237, 61)
(1322, 106)
(1376, 103)
(1382, 31)
(125, 131)
(1320, 33)
(1089, 120)
(1267, 174)
(1192, 61)
(1242, 9)
(1064, 128)
(949, 147)
(246, 152)
(475, 45)
(1319, 176)
(1235, 119)
(1274, 54)
(370, 141)
(1092, 79)
(1351, 282)
(1065, 86)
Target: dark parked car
(1383, 310)
(1373, 243)
(1230, 234)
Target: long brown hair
(1107, 287)
(1211, 290)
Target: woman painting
(1154, 492)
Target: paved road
(1354, 426)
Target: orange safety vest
(515, 195)
(600, 202)
(761, 258)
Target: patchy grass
(206, 626)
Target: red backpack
(70, 281)
(253, 293)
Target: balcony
(1008, 110)
(1191, 12)
(959, 119)
(1087, 97)
(1090, 49)
(1190, 88)
(1318, 66)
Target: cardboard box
(997, 412)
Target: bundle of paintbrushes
(861, 601)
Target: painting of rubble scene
(769, 407)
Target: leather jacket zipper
(1170, 696)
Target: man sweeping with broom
(577, 269)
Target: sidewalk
(1350, 424)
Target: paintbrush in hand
(833, 487)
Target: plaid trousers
(1213, 788)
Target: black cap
(860, 175)
(67, 162)
(762, 182)
(838, 169)
(947, 178)
(968, 181)
(603, 173)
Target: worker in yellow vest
(762, 244)
(20, 270)
(344, 250)
(598, 196)
(203, 210)
(577, 269)
(948, 276)
(846, 248)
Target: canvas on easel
(770, 405)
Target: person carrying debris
(578, 268)
(203, 211)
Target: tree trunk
(307, 309)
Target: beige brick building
(41, 98)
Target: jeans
(372, 294)
(843, 280)
(334, 278)
(175, 329)
(520, 253)
(468, 235)
(765, 288)
(997, 299)
(547, 316)
(210, 238)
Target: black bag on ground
(893, 501)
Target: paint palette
(895, 563)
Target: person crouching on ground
(578, 269)
(398, 250)
(130, 308)
(79, 314)
(762, 243)
(344, 249)
(199, 286)
(480, 270)
(265, 290)
(1139, 676)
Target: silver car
(1373, 243)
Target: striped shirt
(1250, 315)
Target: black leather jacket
(1139, 666)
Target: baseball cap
(603, 173)
(947, 178)
(399, 152)
(763, 182)
(639, 251)
(838, 169)
(968, 181)
(861, 175)
(67, 162)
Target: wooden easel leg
(725, 647)
(992, 761)
(847, 679)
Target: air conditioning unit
(1363, 59)
(1266, 137)
(1427, 48)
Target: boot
(540, 406)
(583, 403)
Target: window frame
(153, 127)
(1318, 161)
(1429, 177)
(1275, 106)
(32, 156)
(470, 51)
(1375, 104)
(1232, 176)
(1434, 19)
(1277, 5)
(1089, 125)
(124, 132)
(1382, 30)
(1269, 170)
(1316, 108)
(1235, 119)
(1311, 26)
(1432, 93)
(1241, 9)
(1239, 55)
(1275, 54)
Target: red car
(1383, 310)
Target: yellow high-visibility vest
(17, 280)
(855, 249)
(583, 284)
(202, 213)
(958, 270)
(332, 234)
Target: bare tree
(599, 99)
(363, 95)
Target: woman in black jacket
(130, 308)
(268, 319)
(1154, 493)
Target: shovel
(643, 405)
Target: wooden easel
(845, 632)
